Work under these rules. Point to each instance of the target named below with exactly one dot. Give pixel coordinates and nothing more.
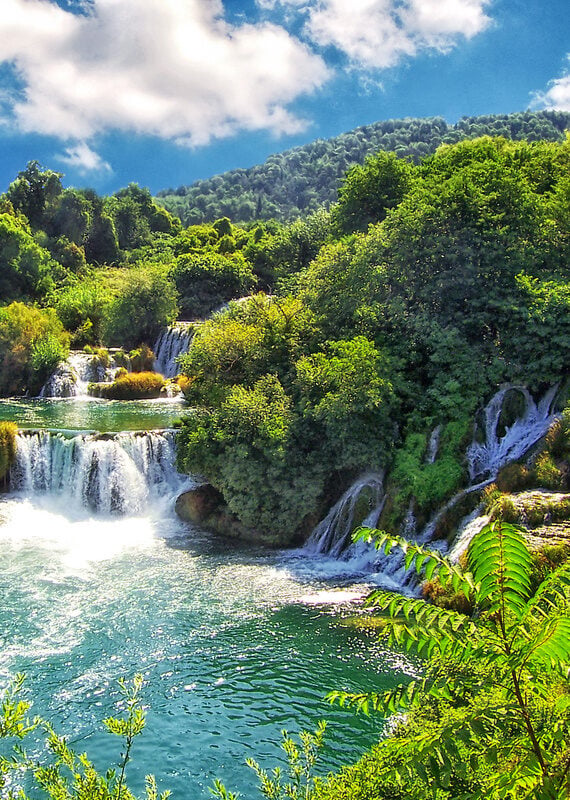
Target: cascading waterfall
(172, 343)
(486, 458)
(331, 536)
(467, 529)
(116, 474)
(71, 377)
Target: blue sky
(164, 92)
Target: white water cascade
(172, 343)
(105, 473)
(486, 458)
(71, 377)
(331, 536)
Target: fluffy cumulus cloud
(375, 34)
(557, 96)
(171, 68)
(178, 69)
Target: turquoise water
(235, 643)
(91, 414)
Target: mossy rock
(204, 506)
(8, 431)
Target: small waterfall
(171, 343)
(433, 445)
(468, 528)
(332, 535)
(71, 377)
(486, 459)
(105, 473)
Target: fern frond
(549, 594)
(402, 697)
(500, 562)
(552, 645)
(428, 563)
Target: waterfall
(332, 536)
(71, 377)
(106, 473)
(468, 528)
(486, 458)
(433, 445)
(171, 343)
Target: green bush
(141, 359)
(130, 386)
(8, 431)
(547, 473)
(46, 353)
(146, 302)
(205, 280)
(82, 308)
(32, 341)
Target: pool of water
(84, 414)
(234, 644)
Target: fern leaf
(549, 594)
(552, 645)
(424, 561)
(500, 562)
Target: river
(235, 643)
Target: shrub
(547, 473)
(82, 307)
(514, 478)
(46, 354)
(206, 280)
(141, 359)
(145, 303)
(8, 431)
(132, 386)
(31, 340)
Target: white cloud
(82, 158)
(557, 96)
(171, 68)
(376, 34)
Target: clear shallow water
(74, 414)
(234, 643)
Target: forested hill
(299, 181)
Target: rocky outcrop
(205, 506)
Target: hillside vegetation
(298, 181)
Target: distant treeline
(299, 181)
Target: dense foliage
(299, 181)
(8, 431)
(32, 342)
(459, 287)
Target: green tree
(368, 192)
(346, 395)
(25, 331)
(35, 192)
(145, 303)
(26, 269)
